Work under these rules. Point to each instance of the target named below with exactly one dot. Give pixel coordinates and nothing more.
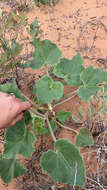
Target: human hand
(11, 109)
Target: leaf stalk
(50, 128)
(68, 128)
(34, 110)
(66, 100)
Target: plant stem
(29, 100)
(34, 110)
(63, 101)
(50, 128)
(71, 93)
(68, 128)
(68, 94)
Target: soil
(75, 26)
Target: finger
(3, 94)
(18, 100)
(16, 119)
(12, 96)
(24, 106)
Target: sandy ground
(74, 26)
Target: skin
(11, 109)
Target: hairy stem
(68, 128)
(29, 100)
(71, 93)
(50, 128)
(63, 101)
(34, 110)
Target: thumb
(24, 106)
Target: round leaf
(86, 92)
(84, 138)
(92, 77)
(47, 90)
(65, 165)
(46, 53)
(73, 78)
(62, 68)
(64, 116)
(10, 168)
(18, 140)
(78, 59)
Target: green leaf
(45, 131)
(34, 24)
(47, 90)
(86, 92)
(54, 164)
(70, 69)
(39, 125)
(84, 138)
(53, 125)
(44, 2)
(64, 116)
(92, 77)
(27, 117)
(105, 87)
(62, 68)
(36, 123)
(10, 168)
(34, 28)
(65, 165)
(46, 53)
(42, 131)
(39, 122)
(19, 140)
(73, 78)
(64, 83)
(105, 74)
(78, 59)
(11, 87)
